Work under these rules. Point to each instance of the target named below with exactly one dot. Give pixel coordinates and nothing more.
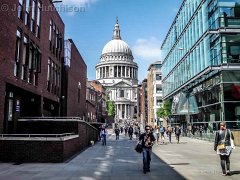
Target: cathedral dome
(116, 46)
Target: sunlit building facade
(118, 73)
(201, 63)
(154, 93)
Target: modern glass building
(201, 63)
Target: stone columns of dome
(105, 68)
(117, 71)
(121, 72)
(133, 73)
(121, 110)
(125, 115)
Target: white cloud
(147, 49)
(78, 2)
(145, 52)
(71, 7)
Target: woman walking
(223, 147)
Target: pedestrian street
(190, 159)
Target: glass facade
(200, 51)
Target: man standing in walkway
(147, 139)
(130, 132)
(177, 133)
(103, 134)
(117, 131)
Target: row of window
(116, 58)
(53, 77)
(29, 11)
(185, 43)
(27, 59)
(117, 71)
(55, 40)
(211, 50)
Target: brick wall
(32, 150)
(77, 72)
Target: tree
(111, 108)
(164, 111)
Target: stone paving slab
(191, 159)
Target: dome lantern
(116, 31)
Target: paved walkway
(191, 159)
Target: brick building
(142, 103)
(101, 110)
(31, 55)
(91, 103)
(74, 82)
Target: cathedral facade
(119, 74)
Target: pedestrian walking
(200, 131)
(177, 133)
(223, 146)
(169, 133)
(126, 130)
(117, 131)
(162, 131)
(136, 131)
(148, 140)
(103, 135)
(121, 129)
(157, 133)
(130, 132)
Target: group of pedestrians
(161, 131)
(223, 143)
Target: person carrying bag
(223, 146)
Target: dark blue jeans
(146, 158)
(104, 139)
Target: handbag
(222, 146)
(231, 140)
(139, 147)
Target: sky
(143, 23)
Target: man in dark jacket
(130, 131)
(147, 140)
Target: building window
(38, 19)
(48, 75)
(79, 91)
(158, 77)
(27, 9)
(25, 58)
(159, 102)
(20, 9)
(17, 53)
(50, 35)
(121, 93)
(32, 27)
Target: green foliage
(164, 111)
(111, 108)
